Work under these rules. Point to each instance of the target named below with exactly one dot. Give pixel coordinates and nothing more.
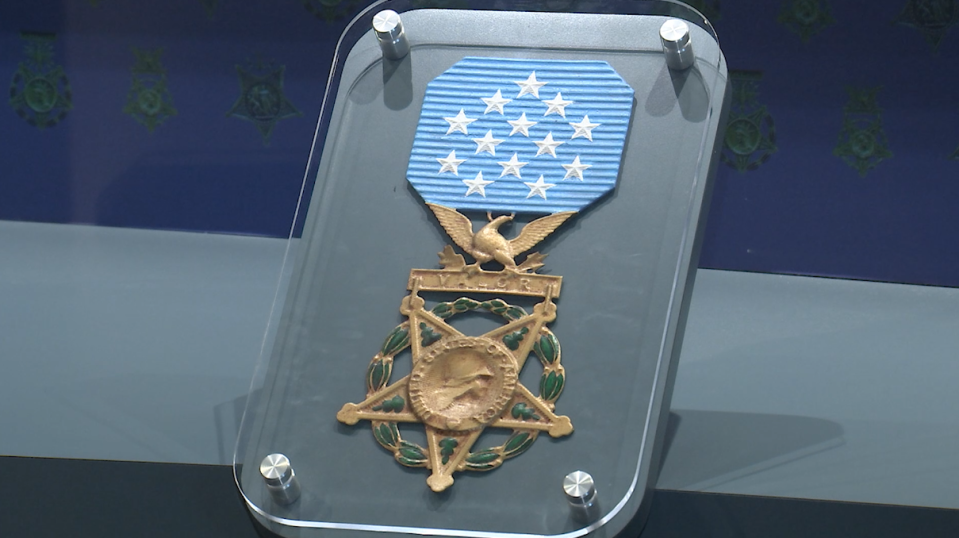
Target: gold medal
(461, 384)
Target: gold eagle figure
(488, 244)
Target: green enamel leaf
(411, 451)
(387, 435)
(513, 340)
(429, 336)
(379, 437)
(447, 447)
(548, 385)
(393, 405)
(497, 306)
(514, 313)
(522, 443)
(411, 454)
(463, 304)
(485, 456)
(480, 466)
(442, 310)
(515, 442)
(377, 375)
(384, 434)
(522, 412)
(547, 348)
(398, 339)
(553, 386)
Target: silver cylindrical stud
(389, 31)
(677, 47)
(581, 494)
(280, 479)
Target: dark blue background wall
(807, 211)
(199, 169)
(888, 211)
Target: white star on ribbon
(530, 86)
(557, 105)
(584, 128)
(487, 143)
(450, 163)
(459, 123)
(521, 125)
(495, 103)
(511, 167)
(547, 145)
(477, 185)
(538, 188)
(575, 169)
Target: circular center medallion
(863, 144)
(463, 383)
(264, 101)
(150, 102)
(41, 95)
(743, 136)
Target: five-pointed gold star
(424, 397)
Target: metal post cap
(389, 32)
(674, 35)
(579, 487)
(276, 469)
(387, 24)
(280, 479)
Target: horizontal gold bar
(530, 285)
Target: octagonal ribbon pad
(524, 136)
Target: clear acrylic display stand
(627, 264)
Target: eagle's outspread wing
(537, 230)
(457, 225)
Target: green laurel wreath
(551, 384)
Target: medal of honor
(498, 138)
(40, 90)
